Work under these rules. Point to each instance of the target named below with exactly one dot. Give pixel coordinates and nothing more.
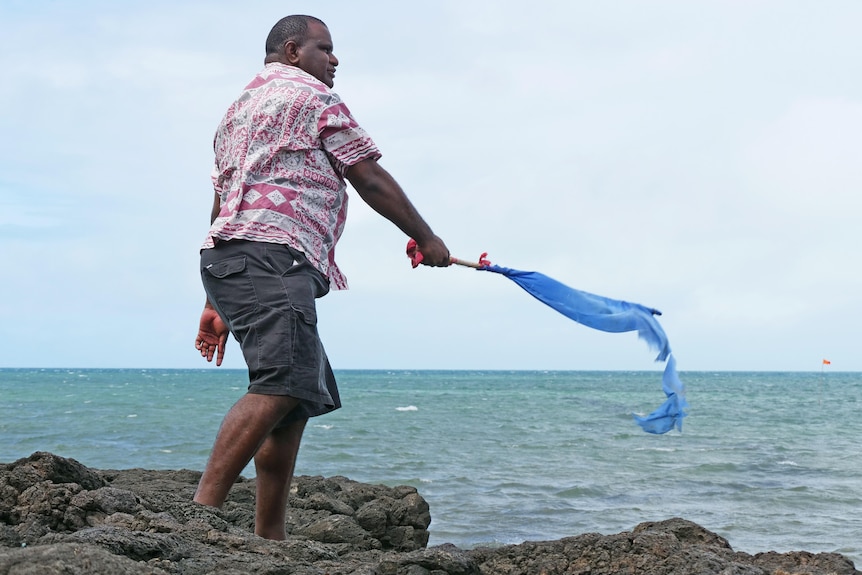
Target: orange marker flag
(827, 362)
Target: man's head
(304, 42)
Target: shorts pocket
(231, 291)
(286, 338)
(300, 290)
(226, 267)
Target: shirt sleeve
(344, 140)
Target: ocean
(770, 461)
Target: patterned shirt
(281, 153)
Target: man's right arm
(380, 191)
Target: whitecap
(132, 415)
(323, 426)
(408, 408)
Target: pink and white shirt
(281, 153)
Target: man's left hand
(212, 335)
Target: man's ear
(290, 52)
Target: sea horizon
(446, 369)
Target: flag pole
(823, 365)
(465, 263)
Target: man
(282, 152)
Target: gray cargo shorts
(265, 294)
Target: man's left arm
(214, 211)
(212, 332)
(379, 190)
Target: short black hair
(293, 27)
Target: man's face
(315, 55)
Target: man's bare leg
(244, 429)
(274, 463)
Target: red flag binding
(413, 253)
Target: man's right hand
(434, 253)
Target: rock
(70, 559)
(43, 466)
(674, 546)
(803, 562)
(60, 517)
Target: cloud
(695, 157)
(805, 162)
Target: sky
(701, 157)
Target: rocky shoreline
(59, 517)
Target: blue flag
(615, 316)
